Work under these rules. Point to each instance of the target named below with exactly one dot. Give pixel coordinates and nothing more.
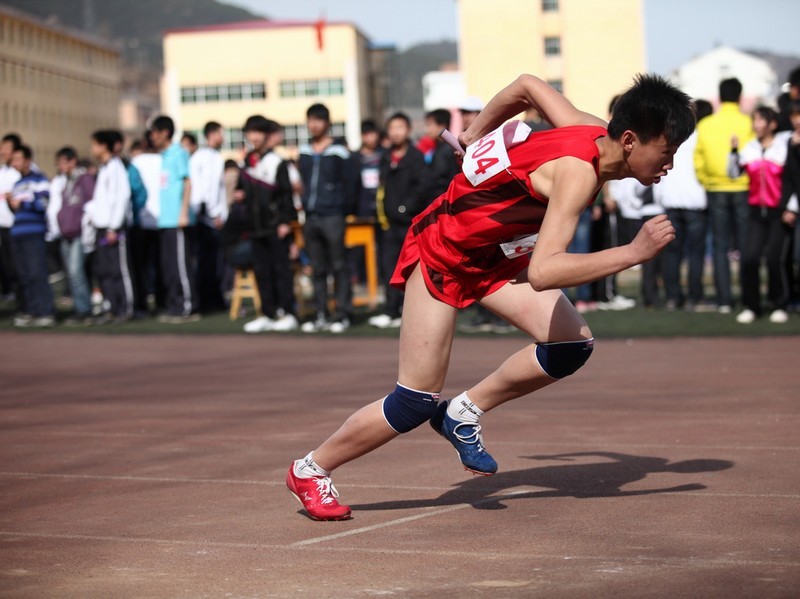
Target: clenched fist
(653, 237)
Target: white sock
(462, 409)
(308, 468)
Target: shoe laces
(326, 490)
(472, 435)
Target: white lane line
(694, 562)
(273, 483)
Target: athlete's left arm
(551, 267)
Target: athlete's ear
(628, 140)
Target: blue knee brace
(563, 358)
(405, 409)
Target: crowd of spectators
(157, 231)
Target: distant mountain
(137, 26)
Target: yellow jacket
(714, 145)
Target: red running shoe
(318, 496)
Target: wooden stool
(244, 287)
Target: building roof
(256, 24)
(62, 30)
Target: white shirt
(629, 194)
(149, 166)
(680, 189)
(206, 168)
(112, 196)
(8, 177)
(57, 186)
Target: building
(58, 85)
(589, 50)
(700, 76)
(227, 73)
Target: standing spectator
(791, 193)
(684, 200)
(763, 159)
(330, 186)
(442, 166)
(399, 200)
(469, 108)
(727, 197)
(8, 177)
(785, 100)
(144, 241)
(174, 217)
(265, 188)
(206, 170)
(368, 161)
(189, 143)
(70, 191)
(108, 212)
(28, 201)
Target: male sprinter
(472, 244)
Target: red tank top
(461, 231)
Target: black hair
(261, 124)
(766, 113)
(210, 127)
(794, 77)
(15, 139)
(794, 107)
(230, 164)
(117, 134)
(369, 126)
(164, 123)
(440, 116)
(318, 111)
(68, 153)
(137, 145)
(190, 137)
(399, 115)
(652, 107)
(106, 138)
(26, 151)
(730, 90)
(702, 109)
(612, 103)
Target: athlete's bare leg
(546, 316)
(426, 337)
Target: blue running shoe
(466, 438)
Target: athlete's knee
(563, 358)
(405, 409)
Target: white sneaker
(724, 309)
(262, 324)
(746, 317)
(384, 321)
(285, 323)
(617, 302)
(778, 316)
(319, 324)
(339, 326)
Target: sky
(675, 30)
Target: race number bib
(519, 247)
(488, 156)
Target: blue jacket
(34, 191)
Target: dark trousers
(8, 273)
(768, 238)
(690, 242)
(176, 266)
(728, 215)
(146, 268)
(112, 269)
(391, 246)
(30, 260)
(651, 270)
(210, 269)
(274, 276)
(324, 238)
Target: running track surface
(136, 466)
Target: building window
(311, 87)
(232, 92)
(557, 85)
(552, 46)
(549, 5)
(295, 135)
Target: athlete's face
(651, 161)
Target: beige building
(589, 49)
(58, 85)
(227, 73)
